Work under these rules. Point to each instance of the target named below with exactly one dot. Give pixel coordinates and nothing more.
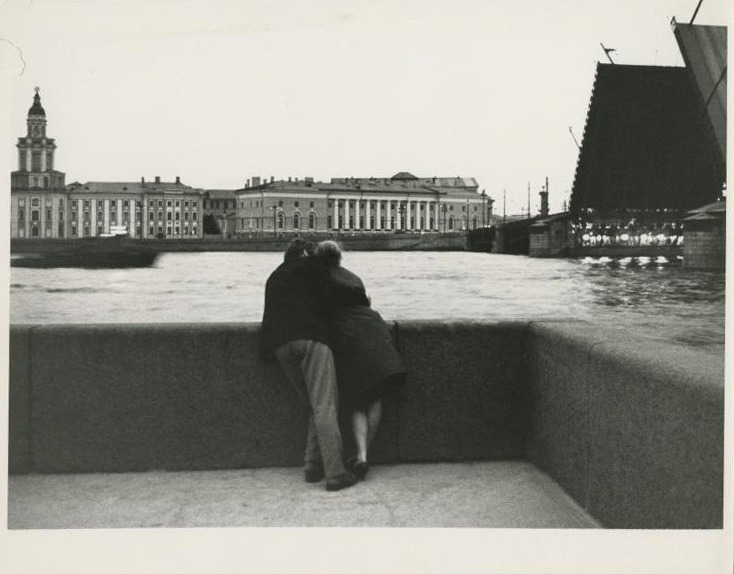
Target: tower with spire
(36, 155)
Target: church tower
(36, 155)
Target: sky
(218, 91)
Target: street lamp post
(484, 208)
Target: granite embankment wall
(634, 433)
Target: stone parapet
(632, 430)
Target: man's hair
(329, 252)
(297, 248)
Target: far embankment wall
(634, 433)
(349, 241)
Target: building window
(186, 203)
(168, 216)
(295, 204)
(168, 203)
(61, 204)
(35, 215)
(451, 222)
(72, 204)
(195, 203)
(151, 216)
(194, 215)
(178, 216)
(21, 214)
(160, 203)
(151, 231)
(311, 204)
(73, 216)
(280, 203)
(100, 215)
(178, 204)
(281, 219)
(86, 204)
(48, 214)
(351, 221)
(73, 230)
(34, 231)
(312, 220)
(186, 215)
(151, 203)
(328, 222)
(113, 217)
(296, 221)
(126, 203)
(36, 161)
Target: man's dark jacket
(295, 307)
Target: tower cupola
(36, 154)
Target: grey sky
(219, 91)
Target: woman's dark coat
(367, 363)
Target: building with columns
(43, 207)
(403, 203)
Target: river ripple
(652, 298)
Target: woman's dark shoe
(357, 467)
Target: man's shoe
(313, 472)
(340, 481)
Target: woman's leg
(360, 428)
(374, 413)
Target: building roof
(221, 193)
(545, 221)
(37, 109)
(644, 144)
(403, 175)
(103, 187)
(461, 188)
(704, 51)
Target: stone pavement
(480, 494)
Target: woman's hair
(329, 252)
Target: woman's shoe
(357, 467)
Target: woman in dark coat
(368, 365)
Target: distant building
(705, 237)
(220, 209)
(402, 203)
(43, 207)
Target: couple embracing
(335, 350)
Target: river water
(652, 298)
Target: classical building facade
(43, 207)
(403, 203)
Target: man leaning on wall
(295, 331)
